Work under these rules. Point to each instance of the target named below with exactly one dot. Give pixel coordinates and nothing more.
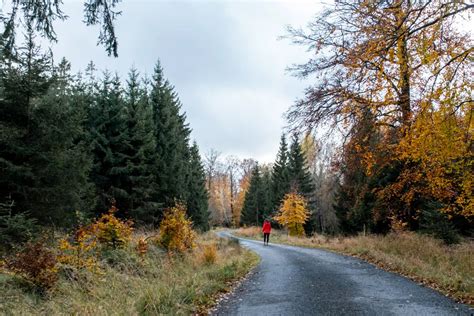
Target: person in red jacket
(266, 229)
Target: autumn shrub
(176, 233)
(80, 250)
(157, 284)
(111, 231)
(36, 264)
(83, 248)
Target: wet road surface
(302, 281)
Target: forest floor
(425, 260)
(128, 284)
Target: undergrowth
(135, 281)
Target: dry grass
(250, 232)
(209, 254)
(449, 269)
(130, 285)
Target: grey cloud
(222, 56)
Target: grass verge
(132, 285)
(448, 269)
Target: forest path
(301, 281)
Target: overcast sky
(224, 58)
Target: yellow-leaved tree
(293, 213)
(176, 233)
(396, 77)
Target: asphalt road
(301, 281)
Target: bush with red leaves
(36, 264)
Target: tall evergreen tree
(172, 136)
(280, 174)
(268, 208)
(109, 144)
(22, 80)
(197, 201)
(140, 179)
(65, 161)
(183, 149)
(44, 164)
(300, 180)
(356, 199)
(258, 202)
(251, 208)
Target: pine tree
(197, 201)
(140, 179)
(171, 137)
(280, 175)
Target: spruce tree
(171, 137)
(280, 174)
(197, 201)
(300, 179)
(63, 160)
(258, 202)
(267, 206)
(22, 80)
(140, 180)
(109, 145)
(44, 163)
(251, 209)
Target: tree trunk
(404, 68)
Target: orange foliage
(406, 70)
(81, 250)
(176, 233)
(440, 142)
(111, 231)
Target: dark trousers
(266, 237)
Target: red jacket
(267, 227)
